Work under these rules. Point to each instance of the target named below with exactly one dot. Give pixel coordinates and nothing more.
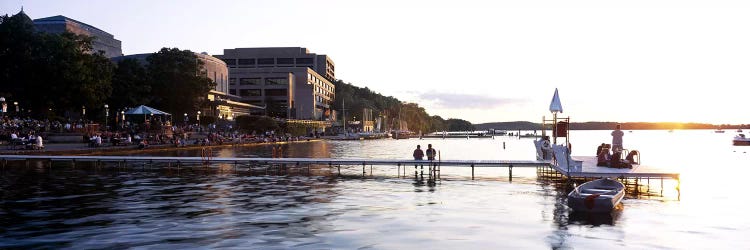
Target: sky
(482, 61)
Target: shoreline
(84, 149)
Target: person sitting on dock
(430, 152)
(617, 161)
(630, 158)
(418, 154)
(599, 149)
(603, 158)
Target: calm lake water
(85, 208)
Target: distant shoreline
(522, 125)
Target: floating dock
(589, 169)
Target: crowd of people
(28, 133)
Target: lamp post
(186, 119)
(106, 116)
(83, 112)
(198, 117)
(16, 104)
(123, 118)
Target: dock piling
(510, 173)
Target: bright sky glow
(483, 61)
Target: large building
(102, 41)
(291, 79)
(221, 104)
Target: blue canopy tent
(146, 110)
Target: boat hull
(741, 142)
(597, 196)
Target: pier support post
(662, 186)
(339, 167)
(363, 169)
(678, 188)
(510, 173)
(472, 171)
(398, 170)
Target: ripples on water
(85, 207)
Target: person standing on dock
(418, 154)
(430, 152)
(617, 139)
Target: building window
(247, 62)
(230, 61)
(277, 81)
(276, 92)
(249, 92)
(249, 81)
(265, 61)
(232, 81)
(233, 92)
(304, 60)
(284, 61)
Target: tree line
(353, 100)
(522, 125)
(58, 75)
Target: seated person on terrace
(39, 143)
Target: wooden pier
(588, 170)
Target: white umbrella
(555, 106)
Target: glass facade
(284, 60)
(276, 92)
(249, 81)
(247, 62)
(277, 81)
(304, 60)
(265, 61)
(249, 92)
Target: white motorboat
(741, 140)
(597, 196)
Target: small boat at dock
(597, 196)
(741, 140)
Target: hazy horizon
(681, 61)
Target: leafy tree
(18, 42)
(459, 125)
(178, 81)
(250, 123)
(130, 85)
(417, 119)
(438, 124)
(50, 72)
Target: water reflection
(275, 208)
